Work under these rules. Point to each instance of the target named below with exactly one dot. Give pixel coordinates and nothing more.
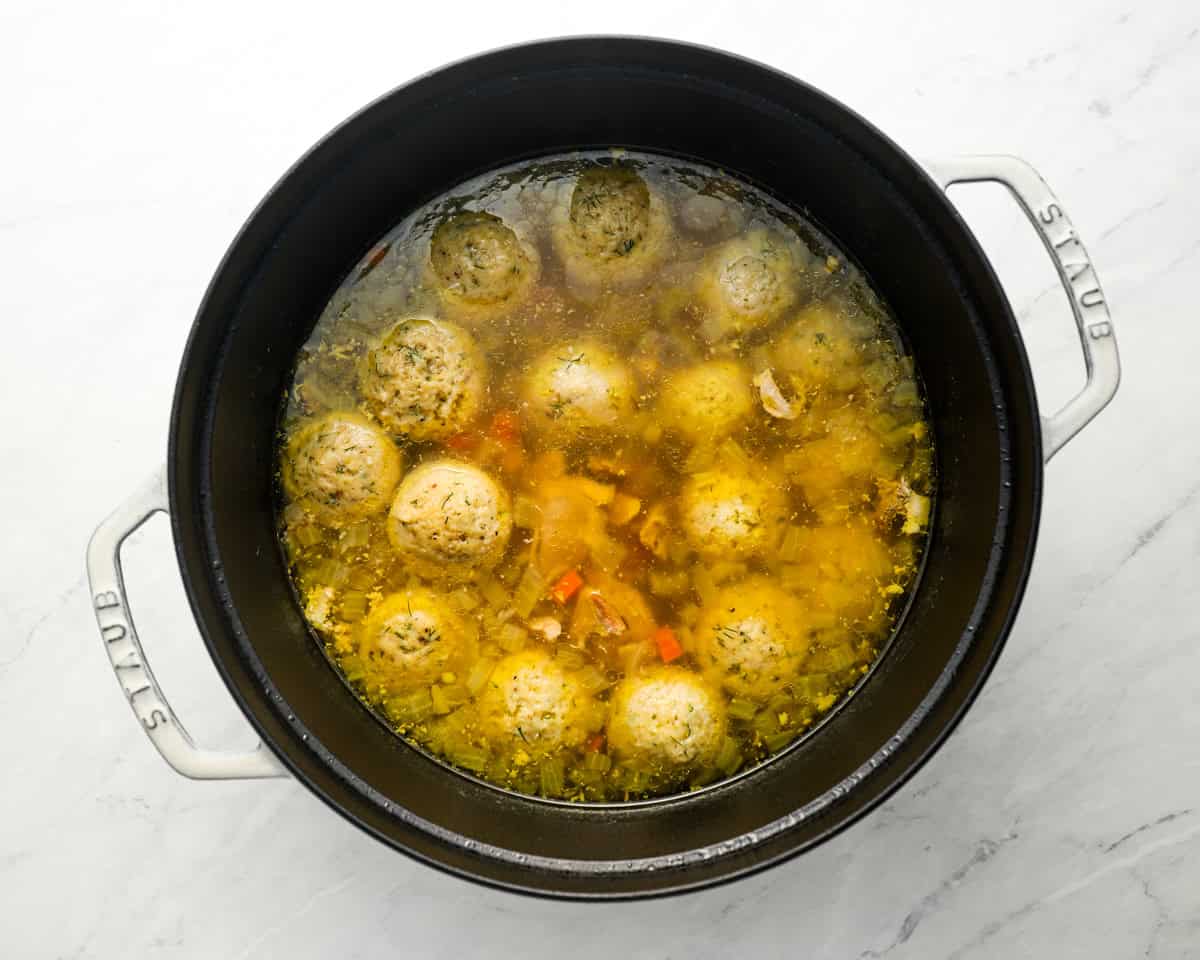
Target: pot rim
(558, 867)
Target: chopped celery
(700, 459)
(811, 685)
(480, 671)
(730, 766)
(469, 756)
(361, 578)
(354, 537)
(464, 600)
(741, 709)
(354, 669)
(731, 455)
(571, 658)
(796, 461)
(550, 773)
(777, 741)
(455, 694)
(878, 375)
(294, 514)
(637, 781)
(728, 751)
(904, 394)
(765, 723)
(679, 551)
(530, 590)
(307, 534)
(597, 761)
(608, 554)
(495, 593)
(593, 680)
(705, 776)
(669, 584)
(354, 605)
(791, 547)
(526, 513)
(601, 494)
(796, 576)
(583, 777)
(330, 572)
(411, 707)
(706, 588)
(441, 703)
(726, 571)
(687, 638)
(513, 637)
(623, 509)
(839, 657)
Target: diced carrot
(595, 744)
(506, 426)
(566, 586)
(669, 647)
(463, 442)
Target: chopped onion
(610, 621)
(548, 627)
(916, 514)
(773, 400)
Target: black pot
(668, 98)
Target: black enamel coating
(775, 131)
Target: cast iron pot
(888, 211)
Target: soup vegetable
(603, 477)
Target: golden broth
(604, 476)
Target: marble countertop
(1062, 819)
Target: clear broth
(708, 438)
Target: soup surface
(604, 476)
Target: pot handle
(1074, 270)
(111, 605)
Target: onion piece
(916, 514)
(773, 400)
(548, 627)
(609, 620)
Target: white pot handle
(124, 649)
(1074, 270)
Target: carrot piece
(463, 442)
(566, 586)
(669, 647)
(374, 259)
(595, 744)
(506, 426)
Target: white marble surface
(1061, 820)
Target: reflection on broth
(604, 476)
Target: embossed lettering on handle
(111, 605)
(1078, 277)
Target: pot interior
(664, 98)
